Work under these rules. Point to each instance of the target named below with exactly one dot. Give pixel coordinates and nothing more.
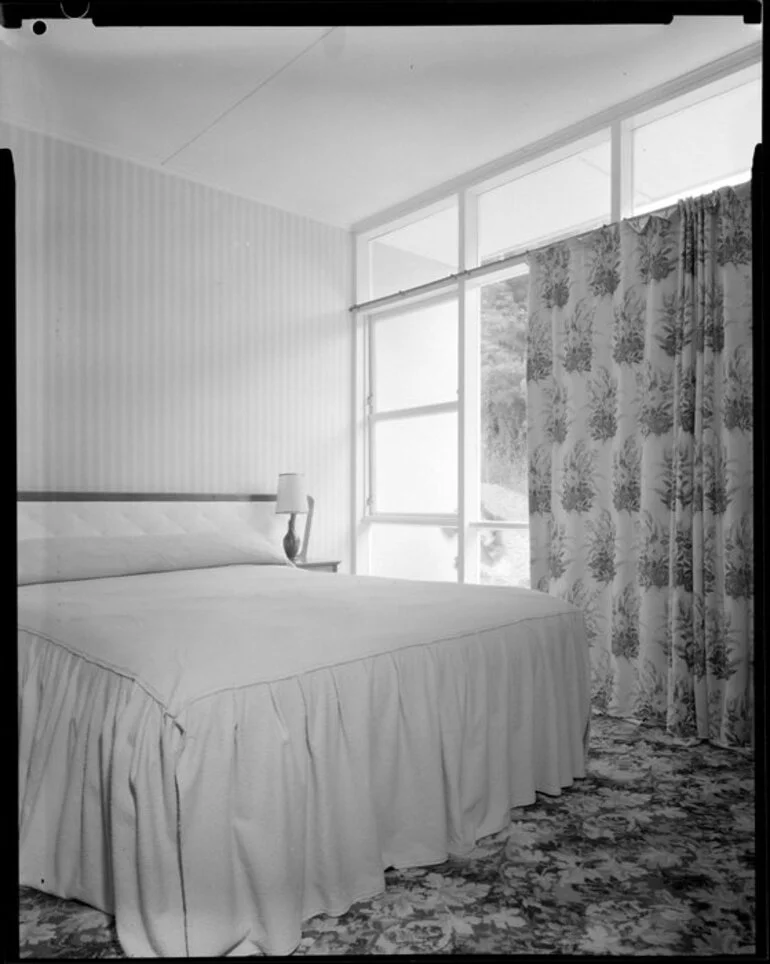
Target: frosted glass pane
(414, 255)
(573, 193)
(416, 464)
(503, 435)
(414, 552)
(685, 153)
(415, 358)
(504, 557)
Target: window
(415, 254)
(562, 196)
(691, 148)
(413, 417)
(444, 459)
(503, 363)
(414, 552)
(504, 557)
(415, 464)
(503, 553)
(414, 354)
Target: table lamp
(291, 499)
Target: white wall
(171, 337)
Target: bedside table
(325, 565)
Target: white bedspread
(215, 755)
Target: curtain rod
(637, 221)
(481, 270)
(490, 267)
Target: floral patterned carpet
(651, 854)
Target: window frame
(699, 85)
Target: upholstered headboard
(44, 514)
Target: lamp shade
(292, 494)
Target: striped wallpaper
(171, 337)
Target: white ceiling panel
(336, 124)
(136, 92)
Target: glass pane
(570, 195)
(414, 552)
(414, 255)
(503, 435)
(416, 464)
(688, 152)
(415, 357)
(504, 557)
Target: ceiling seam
(245, 97)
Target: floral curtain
(639, 399)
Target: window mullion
(468, 357)
(437, 408)
(625, 169)
(359, 443)
(463, 215)
(446, 520)
(371, 500)
(471, 450)
(616, 192)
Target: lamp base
(290, 540)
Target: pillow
(64, 558)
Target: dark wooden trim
(141, 497)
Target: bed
(215, 745)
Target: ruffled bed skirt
(257, 808)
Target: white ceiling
(335, 123)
